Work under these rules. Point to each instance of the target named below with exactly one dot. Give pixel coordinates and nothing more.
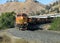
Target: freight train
(22, 20)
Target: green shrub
(55, 24)
(7, 20)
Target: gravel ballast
(43, 36)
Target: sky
(41, 1)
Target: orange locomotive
(21, 21)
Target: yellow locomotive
(21, 21)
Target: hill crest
(27, 7)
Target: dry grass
(5, 39)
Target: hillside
(28, 7)
(54, 7)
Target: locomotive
(21, 21)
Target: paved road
(44, 36)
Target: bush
(7, 20)
(55, 24)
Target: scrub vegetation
(55, 24)
(7, 20)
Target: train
(23, 20)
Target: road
(44, 36)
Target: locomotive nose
(21, 21)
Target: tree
(37, 13)
(42, 12)
(16, 0)
(7, 20)
(54, 4)
(48, 7)
(56, 10)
